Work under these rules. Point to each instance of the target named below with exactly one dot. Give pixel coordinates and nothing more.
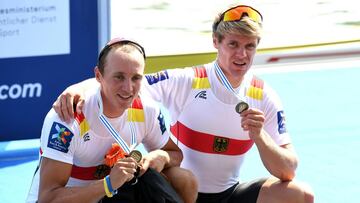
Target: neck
(112, 114)
(233, 80)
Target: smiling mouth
(124, 97)
(239, 64)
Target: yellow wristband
(108, 193)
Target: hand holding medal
(115, 153)
(137, 156)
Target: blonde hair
(245, 26)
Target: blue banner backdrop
(30, 85)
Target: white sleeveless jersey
(205, 125)
(85, 141)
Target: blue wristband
(107, 178)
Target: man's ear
(215, 41)
(98, 75)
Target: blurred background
(309, 53)
(185, 26)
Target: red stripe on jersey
(204, 142)
(257, 82)
(200, 72)
(85, 173)
(137, 104)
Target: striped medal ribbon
(113, 132)
(242, 105)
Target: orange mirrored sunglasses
(238, 12)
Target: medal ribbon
(226, 82)
(112, 131)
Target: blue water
(322, 109)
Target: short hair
(126, 45)
(244, 26)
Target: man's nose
(241, 52)
(127, 85)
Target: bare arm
(73, 95)
(280, 161)
(168, 156)
(54, 176)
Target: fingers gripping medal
(135, 154)
(242, 106)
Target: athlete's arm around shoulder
(74, 94)
(58, 142)
(171, 87)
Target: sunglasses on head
(238, 12)
(121, 40)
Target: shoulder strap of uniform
(201, 80)
(255, 90)
(83, 124)
(136, 111)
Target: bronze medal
(135, 154)
(242, 106)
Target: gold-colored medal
(135, 154)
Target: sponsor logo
(157, 77)
(161, 122)
(60, 137)
(281, 122)
(17, 91)
(220, 144)
(201, 94)
(86, 137)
